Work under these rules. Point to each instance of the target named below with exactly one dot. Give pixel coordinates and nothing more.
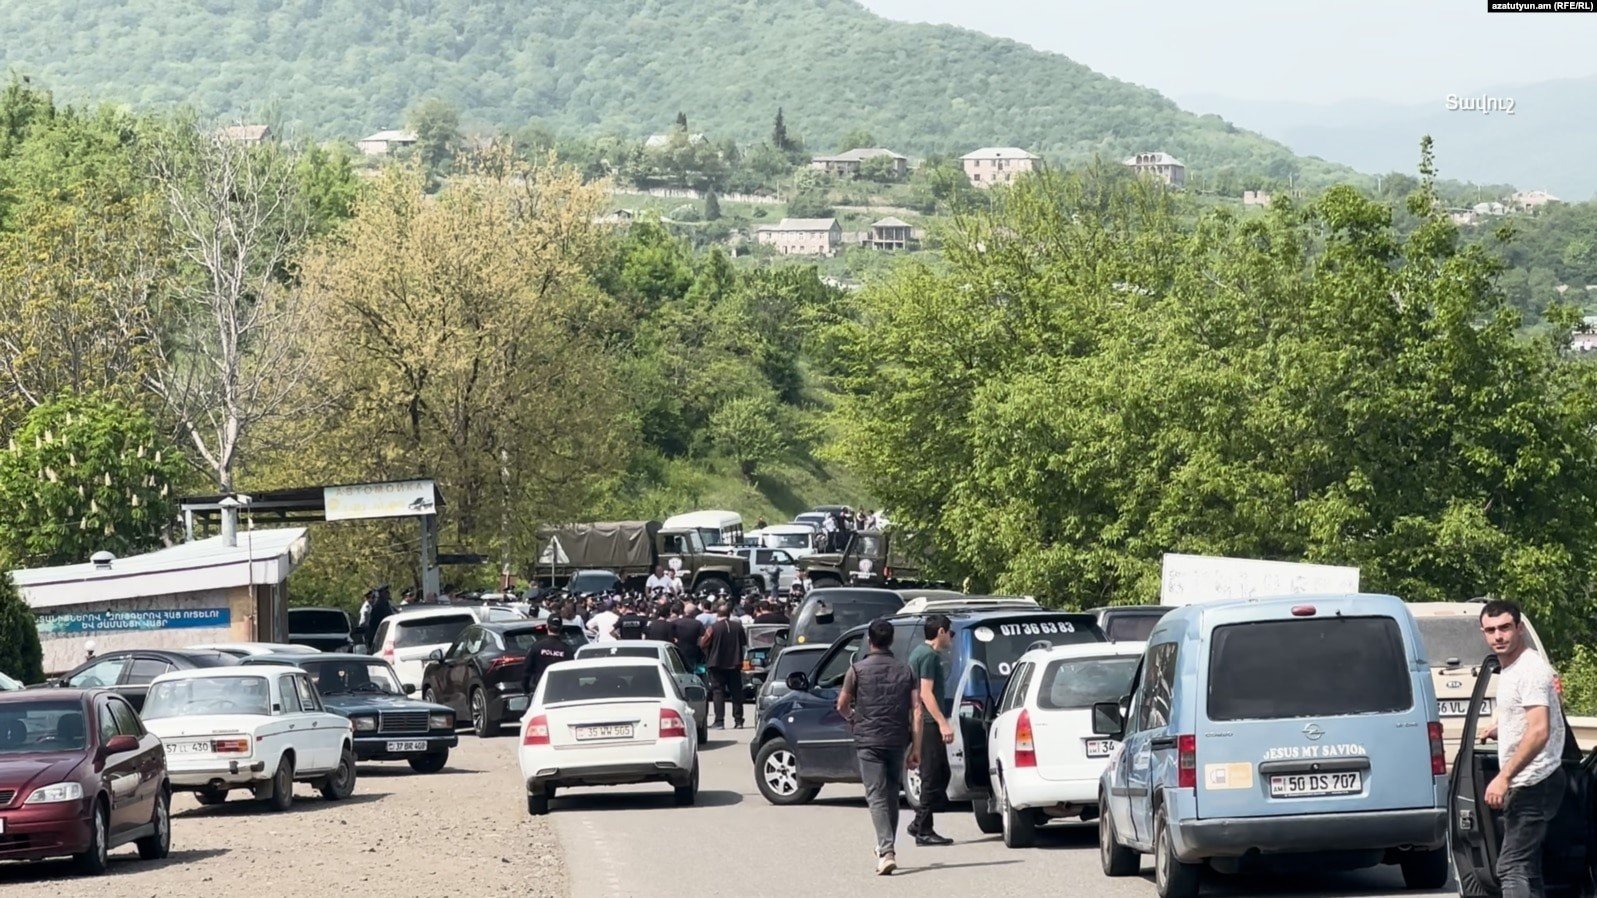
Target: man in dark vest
(878, 699)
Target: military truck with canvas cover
(632, 549)
(869, 558)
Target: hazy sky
(1402, 51)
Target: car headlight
(441, 721)
(502, 686)
(56, 793)
(364, 724)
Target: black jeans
(725, 681)
(1525, 817)
(933, 776)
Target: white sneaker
(886, 864)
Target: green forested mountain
(347, 67)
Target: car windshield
(618, 651)
(791, 662)
(1130, 627)
(787, 541)
(596, 581)
(599, 683)
(430, 630)
(764, 637)
(308, 620)
(1324, 667)
(849, 609)
(41, 726)
(342, 677)
(1452, 637)
(197, 696)
(521, 640)
(999, 642)
(1082, 682)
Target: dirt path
(464, 831)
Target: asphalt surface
(634, 841)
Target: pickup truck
(631, 549)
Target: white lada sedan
(608, 722)
(260, 728)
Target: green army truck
(631, 549)
(869, 558)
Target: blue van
(802, 742)
(1270, 729)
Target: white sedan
(1043, 759)
(257, 727)
(608, 722)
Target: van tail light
(1187, 762)
(239, 745)
(537, 731)
(1025, 748)
(1438, 753)
(748, 665)
(671, 725)
(504, 661)
(388, 652)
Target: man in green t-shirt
(936, 732)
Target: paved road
(634, 841)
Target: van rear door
(1320, 713)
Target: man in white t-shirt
(657, 580)
(602, 626)
(1530, 743)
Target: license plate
(412, 745)
(1459, 707)
(1099, 748)
(188, 748)
(518, 703)
(1307, 785)
(604, 731)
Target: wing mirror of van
(798, 681)
(1108, 720)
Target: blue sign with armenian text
(112, 621)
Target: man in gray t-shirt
(1530, 782)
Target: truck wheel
(825, 581)
(712, 585)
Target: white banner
(1204, 578)
(400, 499)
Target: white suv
(406, 638)
(1042, 755)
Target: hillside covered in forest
(342, 68)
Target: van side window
(1158, 684)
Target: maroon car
(79, 776)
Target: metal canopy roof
(298, 504)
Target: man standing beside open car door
(1530, 740)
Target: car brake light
(537, 731)
(504, 661)
(1303, 611)
(1438, 753)
(388, 652)
(671, 726)
(1025, 748)
(1187, 762)
(747, 664)
(239, 746)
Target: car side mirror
(436, 655)
(798, 681)
(410, 688)
(1107, 720)
(121, 744)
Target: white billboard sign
(1203, 578)
(405, 498)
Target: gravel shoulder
(462, 831)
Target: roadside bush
(20, 654)
(1578, 673)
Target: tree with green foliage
(856, 139)
(779, 138)
(328, 184)
(880, 169)
(437, 128)
(21, 656)
(1101, 375)
(712, 206)
(810, 204)
(747, 430)
(84, 474)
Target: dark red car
(79, 776)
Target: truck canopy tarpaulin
(612, 545)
